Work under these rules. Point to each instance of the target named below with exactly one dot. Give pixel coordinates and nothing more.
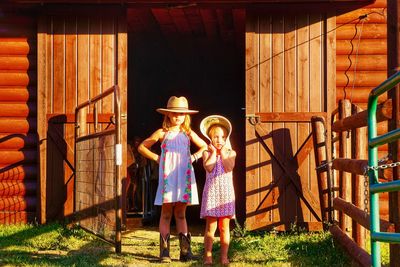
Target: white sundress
(177, 182)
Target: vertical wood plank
(83, 62)
(108, 61)
(41, 114)
(291, 144)
(266, 205)
(70, 104)
(95, 65)
(303, 101)
(278, 132)
(317, 95)
(252, 147)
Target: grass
(58, 245)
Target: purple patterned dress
(176, 182)
(218, 195)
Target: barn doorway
(185, 51)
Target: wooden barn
(269, 66)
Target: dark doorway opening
(193, 52)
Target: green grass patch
(58, 245)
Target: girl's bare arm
(200, 144)
(228, 157)
(209, 158)
(144, 147)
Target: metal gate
(98, 159)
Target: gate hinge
(253, 118)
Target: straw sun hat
(212, 120)
(178, 105)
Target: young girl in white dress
(177, 183)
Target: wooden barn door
(81, 53)
(290, 77)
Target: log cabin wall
(18, 138)
(80, 53)
(361, 61)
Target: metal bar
(373, 142)
(385, 138)
(386, 237)
(385, 187)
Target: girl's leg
(223, 226)
(211, 227)
(180, 217)
(184, 235)
(165, 218)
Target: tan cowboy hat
(212, 120)
(177, 104)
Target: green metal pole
(373, 179)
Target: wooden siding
(361, 58)
(285, 70)
(79, 57)
(18, 138)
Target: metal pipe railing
(373, 142)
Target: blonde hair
(185, 125)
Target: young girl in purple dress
(218, 201)
(177, 183)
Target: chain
(375, 168)
(384, 166)
(366, 190)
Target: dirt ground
(140, 245)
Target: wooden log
(16, 46)
(17, 62)
(361, 62)
(358, 95)
(10, 188)
(383, 113)
(369, 31)
(366, 47)
(17, 109)
(16, 217)
(357, 166)
(18, 141)
(15, 78)
(362, 78)
(13, 157)
(321, 156)
(374, 15)
(356, 253)
(359, 151)
(17, 94)
(345, 146)
(17, 203)
(19, 172)
(17, 125)
(359, 215)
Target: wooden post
(393, 22)
(344, 177)
(323, 174)
(360, 189)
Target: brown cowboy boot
(164, 249)
(184, 244)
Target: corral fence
(349, 181)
